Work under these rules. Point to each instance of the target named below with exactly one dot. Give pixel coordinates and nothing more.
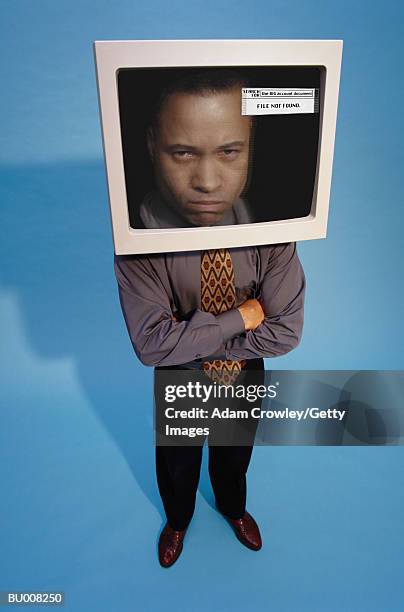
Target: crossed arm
(265, 327)
(282, 301)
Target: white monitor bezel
(110, 56)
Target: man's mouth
(207, 205)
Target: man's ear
(150, 143)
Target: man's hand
(252, 313)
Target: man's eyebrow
(227, 145)
(230, 145)
(180, 146)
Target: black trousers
(178, 467)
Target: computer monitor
(217, 143)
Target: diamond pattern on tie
(218, 295)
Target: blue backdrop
(80, 510)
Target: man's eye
(183, 154)
(230, 153)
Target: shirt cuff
(231, 323)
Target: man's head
(200, 145)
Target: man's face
(200, 153)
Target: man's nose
(206, 176)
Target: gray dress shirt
(154, 288)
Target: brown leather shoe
(170, 545)
(246, 530)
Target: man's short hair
(196, 81)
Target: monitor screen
(282, 162)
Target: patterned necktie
(218, 294)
